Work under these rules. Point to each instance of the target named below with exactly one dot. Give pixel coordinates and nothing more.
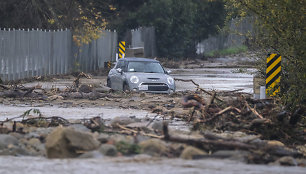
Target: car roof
(138, 59)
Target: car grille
(157, 86)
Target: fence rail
(29, 53)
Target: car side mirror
(119, 70)
(168, 71)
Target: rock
(142, 94)
(301, 162)
(301, 149)
(67, 143)
(153, 147)
(103, 138)
(158, 109)
(13, 150)
(16, 135)
(93, 95)
(127, 149)
(55, 97)
(79, 127)
(157, 125)
(75, 95)
(121, 138)
(108, 150)
(33, 147)
(191, 152)
(34, 142)
(39, 132)
(282, 151)
(141, 138)
(275, 143)
(287, 161)
(85, 88)
(4, 130)
(6, 140)
(176, 149)
(103, 89)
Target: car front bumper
(153, 87)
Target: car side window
(122, 65)
(119, 64)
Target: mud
(147, 107)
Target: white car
(140, 74)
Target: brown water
(40, 165)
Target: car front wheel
(125, 87)
(108, 83)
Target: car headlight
(170, 80)
(134, 79)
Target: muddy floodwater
(208, 78)
(135, 165)
(220, 79)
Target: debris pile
(228, 125)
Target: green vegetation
(179, 24)
(127, 149)
(280, 28)
(227, 51)
(83, 17)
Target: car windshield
(147, 67)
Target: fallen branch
(53, 120)
(4, 87)
(211, 101)
(30, 90)
(198, 87)
(76, 82)
(253, 110)
(193, 101)
(138, 132)
(222, 112)
(207, 144)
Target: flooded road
(78, 113)
(135, 165)
(208, 78)
(73, 113)
(220, 79)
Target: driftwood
(207, 144)
(230, 108)
(193, 101)
(76, 82)
(138, 132)
(211, 101)
(4, 87)
(50, 121)
(16, 91)
(253, 110)
(198, 87)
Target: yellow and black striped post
(109, 64)
(273, 74)
(121, 49)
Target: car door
(115, 81)
(121, 76)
